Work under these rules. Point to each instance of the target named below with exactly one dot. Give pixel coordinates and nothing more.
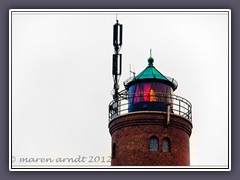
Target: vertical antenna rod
(117, 58)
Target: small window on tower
(153, 143)
(166, 147)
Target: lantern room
(150, 90)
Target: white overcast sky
(61, 77)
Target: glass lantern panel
(149, 92)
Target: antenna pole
(117, 58)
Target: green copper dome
(150, 72)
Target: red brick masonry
(131, 134)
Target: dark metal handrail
(178, 105)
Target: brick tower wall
(131, 139)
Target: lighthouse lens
(149, 96)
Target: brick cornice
(149, 119)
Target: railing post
(191, 113)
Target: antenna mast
(117, 58)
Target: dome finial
(150, 59)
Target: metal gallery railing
(127, 103)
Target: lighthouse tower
(149, 125)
